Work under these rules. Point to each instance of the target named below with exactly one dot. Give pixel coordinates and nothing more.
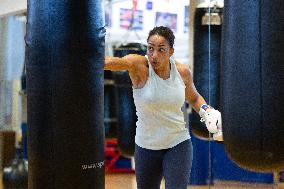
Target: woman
(160, 87)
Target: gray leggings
(174, 164)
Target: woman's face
(159, 51)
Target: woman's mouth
(155, 63)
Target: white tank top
(159, 104)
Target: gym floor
(127, 181)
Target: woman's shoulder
(139, 73)
(185, 73)
(183, 69)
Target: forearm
(197, 102)
(116, 64)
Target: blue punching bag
(201, 69)
(65, 59)
(252, 80)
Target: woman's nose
(154, 54)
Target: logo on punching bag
(93, 165)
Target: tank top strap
(151, 71)
(173, 68)
(174, 71)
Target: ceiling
(12, 7)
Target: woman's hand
(213, 121)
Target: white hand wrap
(213, 121)
(218, 136)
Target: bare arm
(134, 64)
(212, 117)
(117, 64)
(191, 94)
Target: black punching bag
(202, 69)
(252, 80)
(65, 59)
(110, 108)
(126, 111)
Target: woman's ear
(172, 50)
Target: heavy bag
(65, 59)
(252, 80)
(125, 104)
(15, 176)
(201, 69)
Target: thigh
(177, 165)
(148, 168)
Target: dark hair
(165, 32)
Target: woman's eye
(162, 50)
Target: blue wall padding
(222, 168)
(24, 128)
(199, 171)
(225, 169)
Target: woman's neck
(164, 72)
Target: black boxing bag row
(126, 112)
(252, 80)
(201, 69)
(65, 59)
(110, 108)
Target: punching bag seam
(260, 72)
(51, 79)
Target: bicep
(191, 93)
